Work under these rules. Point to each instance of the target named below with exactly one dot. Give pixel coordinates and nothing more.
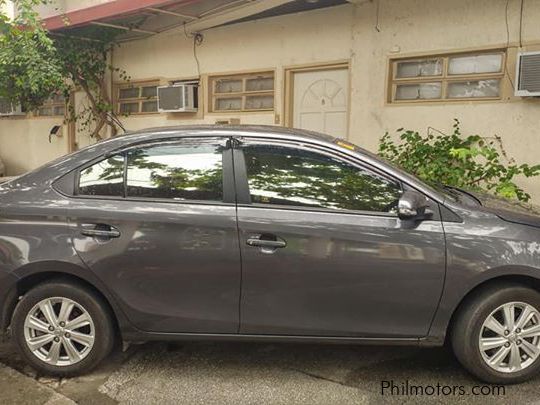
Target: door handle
(267, 243)
(102, 231)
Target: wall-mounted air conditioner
(7, 109)
(179, 97)
(528, 74)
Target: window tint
(105, 178)
(287, 176)
(180, 172)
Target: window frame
(52, 104)
(242, 183)
(213, 95)
(227, 169)
(445, 78)
(139, 100)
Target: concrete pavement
(255, 373)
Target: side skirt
(149, 336)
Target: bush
(472, 162)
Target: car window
(105, 178)
(179, 172)
(296, 177)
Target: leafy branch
(472, 162)
(36, 64)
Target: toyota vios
(261, 233)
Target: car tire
(499, 352)
(78, 333)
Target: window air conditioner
(178, 98)
(528, 74)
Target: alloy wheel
(509, 338)
(59, 331)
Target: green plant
(471, 162)
(35, 64)
(29, 71)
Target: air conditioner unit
(528, 74)
(178, 98)
(8, 109)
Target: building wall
(420, 26)
(344, 33)
(270, 44)
(24, 143)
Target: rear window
(105, 178)
(183, 172)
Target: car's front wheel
(497, 334)
(62, 329)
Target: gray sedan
(261, 233)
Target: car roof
(259, 130)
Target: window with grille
(55, 106)
(136, 98)
(238, 93)
(470, 76)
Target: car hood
(509, 210)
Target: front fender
(453, 296)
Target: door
(323, 252)
(320, 101)
(157, 224)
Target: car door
(323, 252)
(157, 223)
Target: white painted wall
(339, 33)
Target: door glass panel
(286, 176)
(179, 172)
(105, 178)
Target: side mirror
(413, 205)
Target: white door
(320, 101)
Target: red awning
(112, 9)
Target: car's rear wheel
(497, 334)
(62, 329)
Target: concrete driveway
(254, 373)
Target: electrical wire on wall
(507, 42)
(377, 13)
(198, 39)
(520, 34)
(521, 23)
